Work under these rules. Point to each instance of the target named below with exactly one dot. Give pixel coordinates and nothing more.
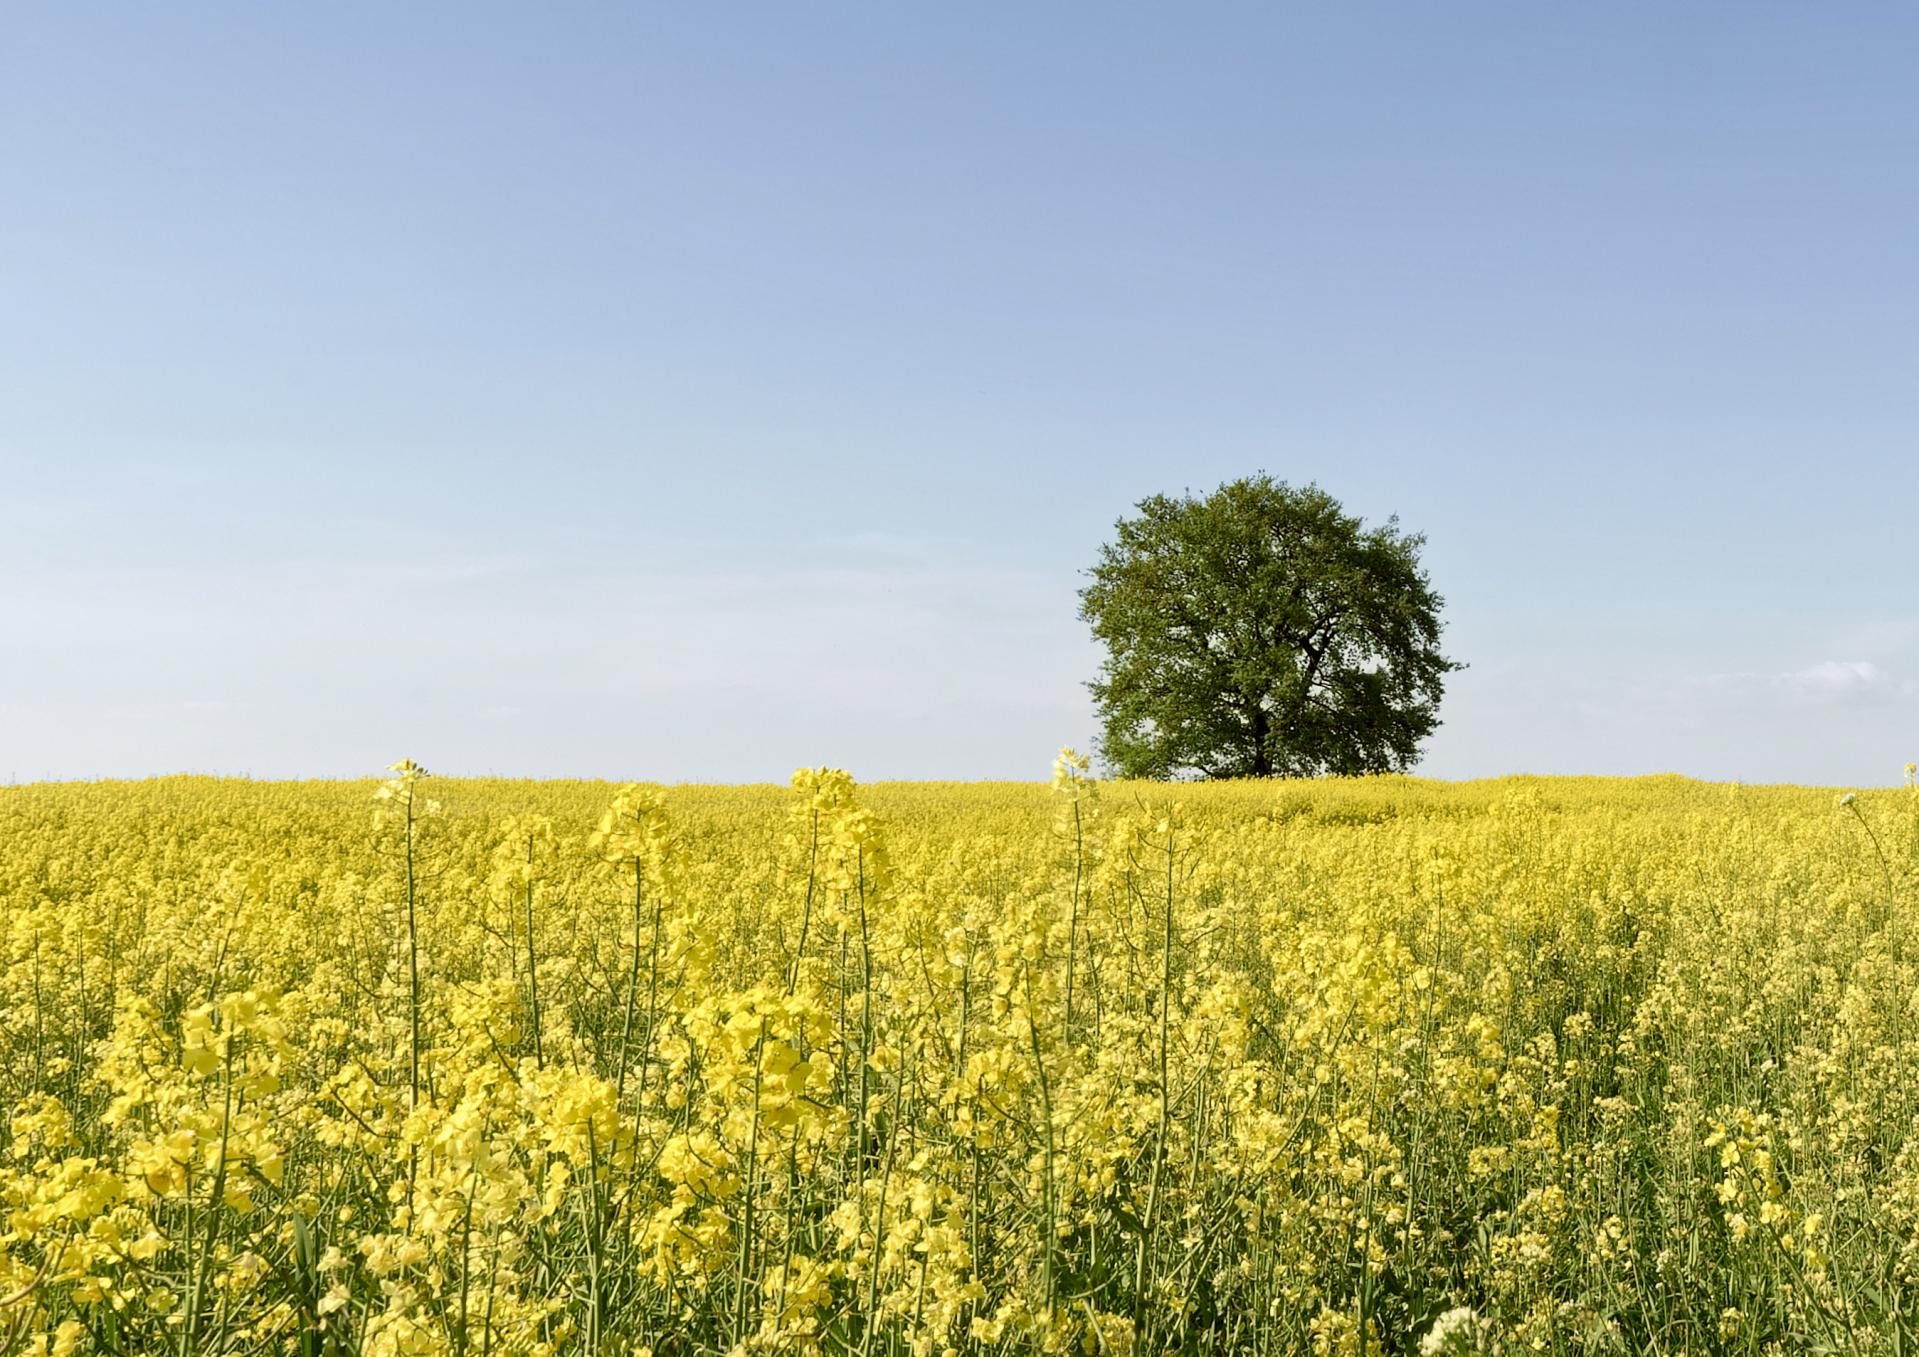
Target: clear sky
(692, 392)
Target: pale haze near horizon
(693, 395)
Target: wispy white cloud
(886, 661)
(1846, 681)
(1828, 683)
(1839, 721)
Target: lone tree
(1262, 631)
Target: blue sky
(695, 392)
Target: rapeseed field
(489, 1068)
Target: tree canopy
(1262, 631)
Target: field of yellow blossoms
(433, 1066)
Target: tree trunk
(1262, 726)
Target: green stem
(533, 964)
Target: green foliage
(1262, 632)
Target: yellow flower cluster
(1380, 1065)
